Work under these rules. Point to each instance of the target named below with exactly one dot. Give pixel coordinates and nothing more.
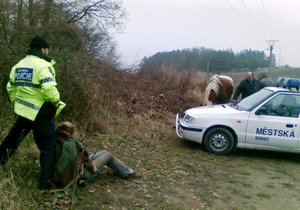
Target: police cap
(38, 42)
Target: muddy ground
(177, 174)
(174, 174)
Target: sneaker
(132, 175)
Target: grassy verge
(175, 174)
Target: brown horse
(218, 90)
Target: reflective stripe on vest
(49, 79)
(25, 103)
(27, 84)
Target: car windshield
(253, 100)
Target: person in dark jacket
(267, 82)
(247, 87)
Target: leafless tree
(96, 17)
(75, 29)
(19, 19)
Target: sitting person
(74, 164)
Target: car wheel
(219, 141)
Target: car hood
(214, 109)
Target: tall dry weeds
(97, 93)
(9, 194)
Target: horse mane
(227, 78)
(214, 84)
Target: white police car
(267, 120)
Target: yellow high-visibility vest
(32, 83)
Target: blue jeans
(103, 158)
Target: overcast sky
(164, 25)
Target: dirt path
(178, 174)
(244, 180)
(175, 174)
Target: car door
(276, 122)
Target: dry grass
(132, 115)
(175, 174)
(95, 100)
(9, 193)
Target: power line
(230, 5)
(268, 17)
(242, 18)
(251, 16)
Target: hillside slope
(175, 174)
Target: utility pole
(271, 44)
(280, 57)
(207, 66)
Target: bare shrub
(166, 91)
(97, 92)
(84, 91)
(9, 191)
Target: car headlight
(188, 119)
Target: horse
(218, 90)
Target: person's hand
(59, 106)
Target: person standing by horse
(247, 87)
(267, 82)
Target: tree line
(204, 59)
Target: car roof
(280, 89)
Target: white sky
(165, 25)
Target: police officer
(32, 88)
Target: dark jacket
(247, 88)
(267, 82)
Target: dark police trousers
(44, 134)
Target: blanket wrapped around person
(74, 165)
(71, 158)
